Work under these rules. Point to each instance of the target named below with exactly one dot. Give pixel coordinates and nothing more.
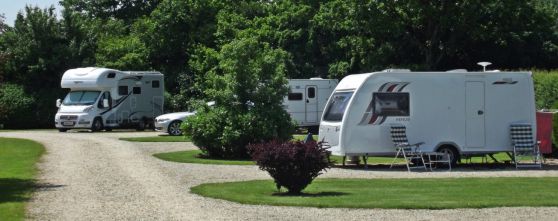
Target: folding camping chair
(525, 146)
(410, 152)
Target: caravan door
(474, 108)
(311, 104)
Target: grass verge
(193, 156)
(447, 193)
(163, 138)
(17, 169)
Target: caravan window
(155, 84)
(311, 92)
(391, 104)
(295, 96)
(337, 105)
(122, 90)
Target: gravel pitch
(95, 176)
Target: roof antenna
(484, 64)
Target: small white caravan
(307, 98)
(456, 112)
(102, 98)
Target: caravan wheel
(452, 152)
(97, 125)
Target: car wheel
(62, 129)
(174, 128)
(97, 125)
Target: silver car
(170, 123)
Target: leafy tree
(123, 53)
(126, 10)
(36, 52)
(248, 86)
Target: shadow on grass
(462, 167)
(17, 190)
(319, 194)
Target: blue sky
(10, 8)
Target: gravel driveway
(95, 176)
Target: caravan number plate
(68, 123)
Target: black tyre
(141, 126)
(97, 125)
(452, 152)
(62, 130)
(174, 128)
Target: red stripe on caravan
(390, 89)
(374, 118)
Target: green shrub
(546, 89)
(16, 107)
(293, 165)
(248, 86)
(222, 133)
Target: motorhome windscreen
(81, 98)
(337, 106)
(391, 104)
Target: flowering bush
(292, 165)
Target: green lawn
(301, 137)
(395, 193)
(161, 138)
(192, 156)
(17, 169)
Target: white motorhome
(307, 98)
(102, 98)
(457, 112)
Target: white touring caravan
(101, 98)
(456, 112)
(307, 98)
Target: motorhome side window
(391, 104)
(295, 96)
(155, 84)
(105, 95)
(337, 105)
(137, 90)
(122, 90)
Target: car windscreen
(337, 105)
(81, 98)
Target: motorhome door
(311, 104)
(474, 108)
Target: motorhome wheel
(174, 128)
(141, 125)
(97, 125)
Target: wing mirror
(105, 103)
(58, 102)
